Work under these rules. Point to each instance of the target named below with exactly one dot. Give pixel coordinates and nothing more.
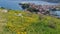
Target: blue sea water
(13, 4)
(10, 5)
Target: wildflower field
(20, 22)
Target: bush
(18, 23)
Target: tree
(2, 8)
(24, 6)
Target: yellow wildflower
(18, 32)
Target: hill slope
(20, 22)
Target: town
(41, 9)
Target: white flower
(20, 15)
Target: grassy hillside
(20, 22)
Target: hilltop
(21, 22)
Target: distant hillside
(53, 1)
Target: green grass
(30, 23)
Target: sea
(14, 4)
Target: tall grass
(30, 23)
